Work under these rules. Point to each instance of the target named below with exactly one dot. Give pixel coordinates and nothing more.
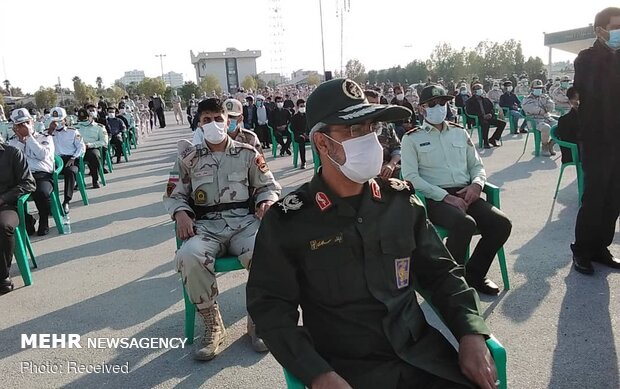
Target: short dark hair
(278, 98)
(602, 18)
(571, 92)
(89, 106)
(300, 101)
(250, 98)
(371, 93)
(82, 114)
(211, 104)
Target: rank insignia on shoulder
(375, 189)
(399, 185)
(290, 203)
(262, 165)
(318, 243)
(414, 129)
(322, 201)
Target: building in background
(174, 80)
(230, 67)
(273, 78)
(300, 77)
(570, 41)
(132, 76)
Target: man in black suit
(568, 125)
(250, 120)
(482, 107)
(597, 80)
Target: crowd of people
(34, 146)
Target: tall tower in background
(277, 33)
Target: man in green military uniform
(94, 136)
(349, 249)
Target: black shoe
(487, 146)
(65, 207)
(6, 286)
(607, 259)
(30, 222)
(118, 160)
(522, 131)
(303, 166)
(484, 286)
(288, 151)
(493, 143)
(282, 153)
(96, 185)
(43, 231)
(105, 171)
(582, 264)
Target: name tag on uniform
(402, 272)
(425, 144)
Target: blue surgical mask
(564, 84)
(614, 39)
(233, 125)
(479, 92)
(537, 92)
(259, 103)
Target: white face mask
(437, 114)
(509, 89)
(215, 132)
(364, 156)
(400, 96)
(111, 115)
(280, 105)
(302, 109)
(479, 92)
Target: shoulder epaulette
(414, 129)
(291, 203)
(395, 185)
(453, 124)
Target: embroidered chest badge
(402, 272)
(291, 203)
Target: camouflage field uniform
(539, 108)
(560, 99)
(390, 144)
(216, 188)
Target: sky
(87, 41)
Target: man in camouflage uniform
(94, 136)
(559, 95)
(210, 193)
(235, 128)
(176, 107)
(539, 106)
(389, 142)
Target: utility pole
(161, 62)
(322, 40)
(61, 95)
(344, 6)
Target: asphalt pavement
(113, 277)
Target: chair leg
(57, 212)
(101, 173)
(190, 317)
(480, 140)
(557, 187)
(295, 153)
(537, 142)
(21, 257)
(108, 161)
(503, 267)
(82, 186)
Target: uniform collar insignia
(322, 201)
(375, 189)
(291, 203)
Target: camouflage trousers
(544, 126)
(195, 259)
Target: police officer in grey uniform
(210, 194)
(39, 152)
(444, 166)
(235, 128)
(94, 136)
(70, 146)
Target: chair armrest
(499, 356)
(492, 193)
(21, 201)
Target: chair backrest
(574, 148)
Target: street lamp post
(161, 62)
(322, 40)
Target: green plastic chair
(123, 149)
(492, 196)
(296, 148)
(108, 158)
(22, 244)
(274, 142)
(222, 265)
(134, 138)
(55, 205)
(101, 173)
(574, 150)
(126, 145)
(531, 124)
(475, 125)
(514, 125)
(22, 203)
(79, 179)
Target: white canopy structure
(571, 41)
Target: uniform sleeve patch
(170, 187)
(174, 177)
(262, 165)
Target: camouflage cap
(434, 92)
(233, 107)
(537, 84)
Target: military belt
(202, 211)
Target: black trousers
(486, 124)
(41, 196)
(301, 141)
(280, 137)
(93, 158)
(69, 172)
(600, 204)
(493, 224)
(117, 142)
(8, 222)
(161, 117)
(262, 132)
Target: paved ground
(113, 277)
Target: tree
(99, 83)
(272, 84)
(132, 88)
(150, 86)
(355, 71)
(534, 68)
(16, 91)
(45, 97)
(210, 84)
(249, 83)
(260, 83)
(313, 79)
(83, 93)
(168, 96)
(189, 88)
(7, 86)
(114, 94)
